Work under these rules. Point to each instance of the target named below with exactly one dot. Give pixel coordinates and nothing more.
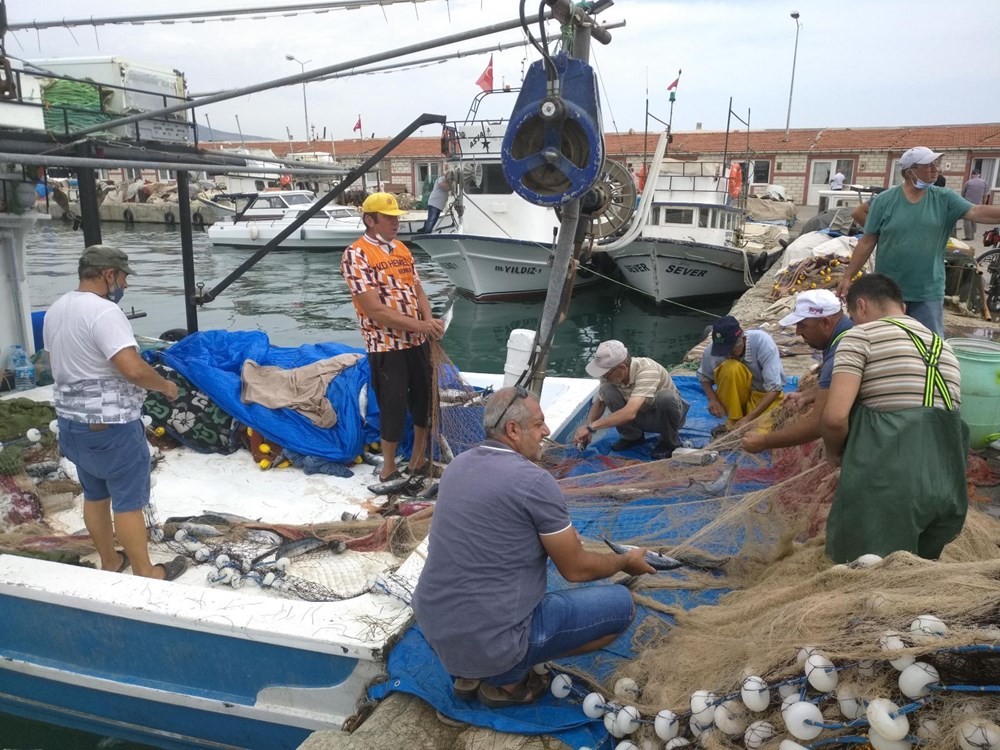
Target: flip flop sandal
(465, 688)
(529, 690)
(392, 483)
(173, 569)
(125, 561)
(448, 721)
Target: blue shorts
(111, 462)
(566, 620)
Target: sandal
(125, 561)
(173, 569)
(465, 688)
(530, 689)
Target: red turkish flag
(357, 125)
(485, 81)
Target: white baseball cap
(815, 303)
(918, 155)
(609, 355)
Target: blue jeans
(566, 620)
(110, 462)
(433, 212)
(929, 312)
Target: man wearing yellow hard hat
(396, 324)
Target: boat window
(655, 216)
(678, 216)
(297, 199)
(703, 217)
(493, 182)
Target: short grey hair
(504, 406)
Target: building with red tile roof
(803, 162)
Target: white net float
(593, 706)
(757, 734)
(730, 717)
(666, 725)
(561, 685)
(978, 734)
(801, 719)
(885, 718)
(627, 720)
(755, 694)
(914, 681)
(821, 673)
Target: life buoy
(735, 180)
(128, 216)
(168, 218)
(197, 219)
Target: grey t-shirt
(486, 566)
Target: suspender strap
(932, 356)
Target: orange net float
(735, 180)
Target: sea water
(300, 297)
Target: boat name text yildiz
(517, 269)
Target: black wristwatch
(590, 429)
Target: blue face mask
(920, 184)
(116, 292)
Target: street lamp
(791, 87)
(305, 102)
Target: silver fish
(372, 459)
(388, 488)
(200, 530)
(718, 486)
(663, 562)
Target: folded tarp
(213, 360)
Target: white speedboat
(333, 228)
(686, 238)
(491, 243)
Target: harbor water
(300, 297)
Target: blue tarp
(415, 669)
(213, 360)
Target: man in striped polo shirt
(892, 423)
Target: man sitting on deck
(640, 395)
(745, 369)
(819, 320)
(481, 600)
(892, 422)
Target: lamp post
(791, 87)
(305, 102)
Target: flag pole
(670, 119)
(645, 131)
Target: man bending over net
(892, 423)
(481, 599)
(640, 396)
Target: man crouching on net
(481, 599)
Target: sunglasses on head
(519, 392)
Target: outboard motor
(553, 150)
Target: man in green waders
(892, 423)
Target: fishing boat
(491, 243)
(267, 214)
(686, 238)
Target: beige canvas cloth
(302, 389)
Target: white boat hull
(494, 268)
(332, 235)
(675, 269)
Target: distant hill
(208, 134)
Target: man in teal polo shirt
(911, 224)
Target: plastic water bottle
(24, 371)
(24, 377)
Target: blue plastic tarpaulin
(213, 361)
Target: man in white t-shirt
(100, 387)
(837, 181)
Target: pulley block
(553, 149)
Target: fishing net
(757, 592)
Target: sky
(859, 64)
